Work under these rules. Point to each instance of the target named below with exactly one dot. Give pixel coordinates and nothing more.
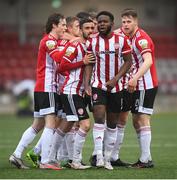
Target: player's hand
(88, 90)
(89, 59)
(132, 83)
(111, 84)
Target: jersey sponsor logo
(50, 44)
(95, 96)
(143, 43)
(69, 51)
(105, 52)
(80, 111)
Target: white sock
(70, 138)
(98, 136)
(109, 142)
(57, 142)
(145, 142)
(78, 145)
(27, 137)
(62, 153)
(119, 140)
(47, 137)
(138, 135)
(38, 146)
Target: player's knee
(85, 125)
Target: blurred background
(22, 25)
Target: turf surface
(164, 152)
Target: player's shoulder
(94, 35)
(118, 31)
(142, 37)
(120, 35)
(141, 34)
(49, 41)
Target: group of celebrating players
(83, 63)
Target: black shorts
(112, 101)
(45, 103)
(74, 107)
(127, 101)
(143, 101)
(59, 106)
(88, 102)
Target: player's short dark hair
(70, 20)
(84, 20)
(53, 19)
(106, 13)
(82, 15)
(93, 14)
(129, 12)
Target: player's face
(61, 28)
(75, 28)
(96, 25)
(104, 24)
(129, 25)
(88, 29)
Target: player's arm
(147, 57)
(71, 53)
(58, 55)
(87, 77)
(52, 49)
(143, 46)
(123, 70)
(71, 38)
(88, 71)
(127, 57)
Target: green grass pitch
(164, 152)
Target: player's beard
(106, 32)
(85, 36)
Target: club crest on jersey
(81, 111)
(95, 96)
(143, 43)
(50, 44)
(69, 51)
(116, 46)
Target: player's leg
(122, 120)
(142, 110)
(28, 136)
(79, 107)
(114, 106)
(99, 100)
(64, 127)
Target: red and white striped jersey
(74, 80)
(124, 80)
(108, 53)
(47, 65)
(142, 43)
(60, 77)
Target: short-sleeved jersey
(46, 66)
(108, 53)
(142, 43)
(73, 83)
